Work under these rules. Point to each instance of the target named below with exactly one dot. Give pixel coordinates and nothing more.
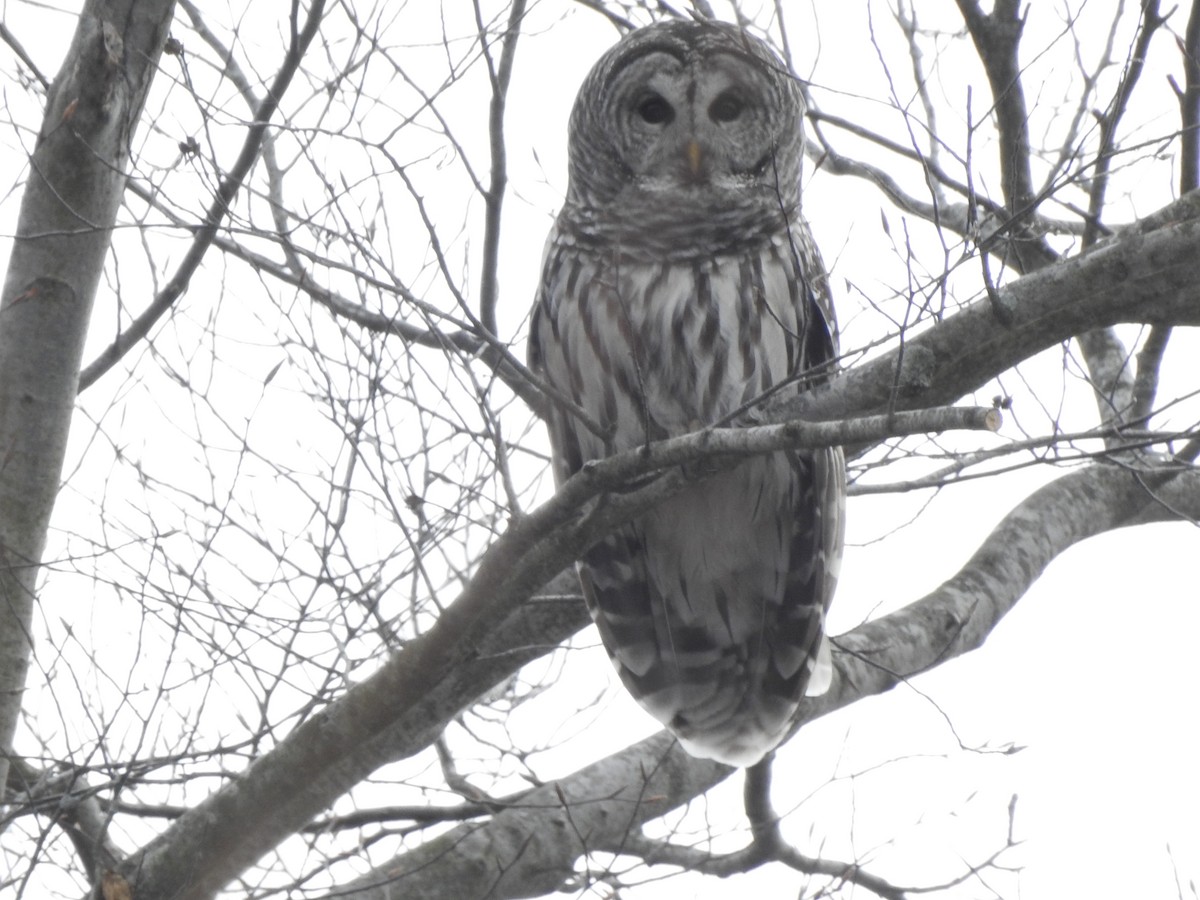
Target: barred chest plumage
(711, 605)
(657, 349)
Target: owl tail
(820, 674)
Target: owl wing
(820, 542)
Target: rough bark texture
(74, 189)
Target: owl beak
(693, 158)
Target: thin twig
(500, 76)
(219, 207)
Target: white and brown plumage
(680, 283)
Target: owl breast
(658, 349)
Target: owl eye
(654, 110)
(727, 107)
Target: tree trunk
(75, 185)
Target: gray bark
(76, 181)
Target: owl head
(686, 110)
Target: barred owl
(680, 284)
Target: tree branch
(532, 848)
(997, 38)
(1104, 353)
(400, 709)
(501, 75)
(1144, 274)
(66, 799)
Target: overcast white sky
(1093, 675)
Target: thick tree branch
(1145, 384)
(532, 848)
(1145, 274)
(1149, 358)
(1189, 104)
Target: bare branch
(207, 230)
(529, 850)
(1144, 274)
(1111, 119)
(997, 37)
(66, 799)
(1106, 357)
(11, 39)
(330, 621)
(1189, 105)
(500, 77)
